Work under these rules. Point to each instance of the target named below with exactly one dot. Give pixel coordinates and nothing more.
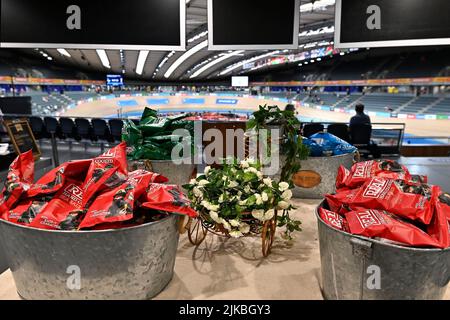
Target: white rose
(283, 186)
(203, 183)
(244, 228)
(283, 205)
(239, 194)
(226, 225)
(224, 178)
(205, 203)
(207, 169)
(247, 189)
(221, 198)
(265, 197)
(269, 214)
(259, 175)
(252, 170)
(236, 234)
(193, 181)
(214, 216)
(197, 192)
(235, 223)
(258, 198)
(244, 164)
(233, 184)
(287, 195)
(258, 214)
(268, 182)
(214, 207)
(243, 202)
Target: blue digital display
(113, 80)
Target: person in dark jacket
(360, 117)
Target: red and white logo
(107, 157)
(361, 169)
(109, 154)
(376, 188)
(334, 219)
(368, 218)
(74, 193)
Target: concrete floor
(234, 269)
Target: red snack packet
(406, 199)
(338, 202)
(439, 228)
(168, 198)
(375, 223)
(55, 179)
(106, 171)
(26, 210)
(363, 171)
(117, 205)
(145, 178)
(112, 206)
(19, 179)
(333, 219)
(64, 211)
(443, 204)
(417, 178)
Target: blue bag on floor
(329, 142)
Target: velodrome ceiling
(159, 65)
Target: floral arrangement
(237, 195)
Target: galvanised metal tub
(131, 263)
(317, 176)
(360, 268)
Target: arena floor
(132, 107)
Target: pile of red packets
(381, 199)
(92, 194)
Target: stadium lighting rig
(214, 62)
(141, 61)
(64, 52)
(184, 57)
(103, 58)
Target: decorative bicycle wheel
(196, 231)
(268, 235)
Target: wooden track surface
(108, 108)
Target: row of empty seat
(79, 129)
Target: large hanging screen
(93, 24)
(391, 23)
(250, 24)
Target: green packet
(150, 151)
(149, 116)
(158, 139)
(132, 135)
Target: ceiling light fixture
(141, 61)
(103, 58)
(214, 62)
(64, 52)
(184, 57)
